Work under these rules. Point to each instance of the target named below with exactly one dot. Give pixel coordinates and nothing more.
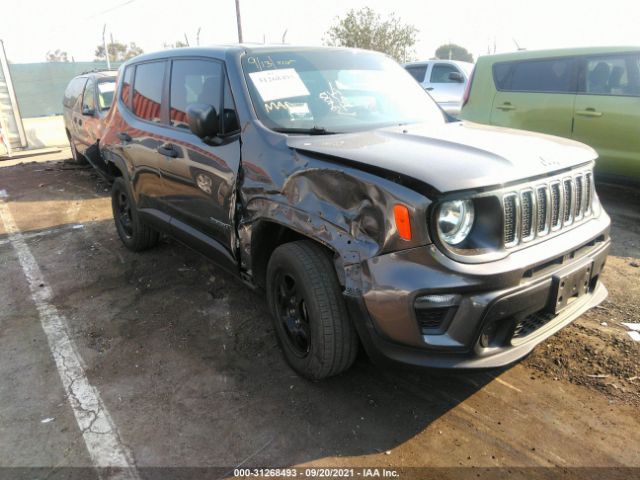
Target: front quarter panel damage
(346, 209)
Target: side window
(614, 75)
(229, 117)
(147, 91)
(440, 73)
(418, 72)
(88, 98)
(106, 88)
(553, 76)
(125, 90)
(193, 81)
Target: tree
(178, 44)
(451, 51)
(365, 28)
(57, 56)
(118, 52)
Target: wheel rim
(292, 314)
(124, 213)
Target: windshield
(106, 87)
(334, 91)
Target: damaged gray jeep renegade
(330, 180)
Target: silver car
(445, 80)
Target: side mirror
(456, 77)
(89, 112)
(203, 120)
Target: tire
(310, 318)
(135, 235)
(78, 158)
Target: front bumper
(502, 310)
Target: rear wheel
(78, 158)
(135, 235)
(308, 311)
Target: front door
(441, 87)
(607, 112)
(199, 178)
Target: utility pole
(284, 35)
(239, 21)
(198, 36)
(104, 45)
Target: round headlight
(455, 219)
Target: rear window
(549, 76)
(73, 91)
(418, 72)
(147, 91)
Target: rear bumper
(498, 317)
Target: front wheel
(135, 235)
(308, 311)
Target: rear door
(199, 178)
(419, 72)
(607, 112)
(88, 118)
(536, 95)
(72, 106)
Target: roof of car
(99, 73)
(221, 51)
(560, 52)
(433, 60)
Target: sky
(29, 28)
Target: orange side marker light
(403, 223)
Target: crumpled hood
(453, 156)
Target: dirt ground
(186, 362)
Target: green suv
(587, 94)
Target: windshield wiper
(308, 131)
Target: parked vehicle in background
(86, 102)
(445, 80)
(586, 94)
(331, 180)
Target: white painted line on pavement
(508, 385)
(100, 434)
(44, 233)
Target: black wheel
(78, 158)
(308, 311)
(135, 235)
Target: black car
(330, 179)
(87, 99)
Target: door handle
(125, 137)
(589, 112)
(168, 150)
(428, 89)
(506, 106)
(80, 122)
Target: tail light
(467, 90)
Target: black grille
(509, 219)
(531, 323)
(566, 198)
(527, 214)
(555, 204)
(542, 208)
(577, 211)
(431, 319)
